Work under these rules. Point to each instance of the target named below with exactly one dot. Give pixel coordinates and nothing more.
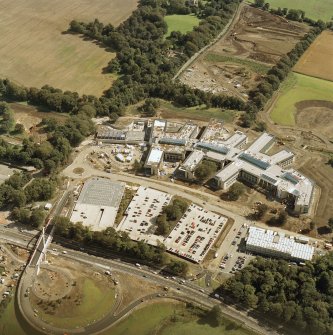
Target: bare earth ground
(317, 61)
(317, 169)
(34, 52)
(257, 36)
(30, 116)
(316, 115)
(59, 289)
(261, 36)
(133, 288)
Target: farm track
(229, 26)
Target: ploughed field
(235, 63)
(261, 36)
(35, 51)
(317, 61)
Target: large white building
(278, 245)
(253, 165)
(98, 203)
(180, 142)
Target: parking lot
(140, 216)
(195, 233)
(236, 257)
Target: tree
(149, 108)
(261, 126)
(250, 298)
(18, 198)
(137, 166)
(178, 268)
(62, 225)
(259, 3)
(216, 316)
(7, 118)
(330, 224)
(162, 225)
(40, 189)
(235, 191)
(19, 128)
(266, 6)
(21, 215)
(260, 211)
(205, 170)
(330, 162)
(37, 217)
(280, 220)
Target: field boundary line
(312, 76)
(216, 39)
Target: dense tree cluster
(33, 217)
(170, 216)
(271, 82)
(144, 58)
(17, 192)
(54, 152)
(117, 242)
(11, 191)
(299, 297)
(6, 118)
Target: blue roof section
(255, 161)
(213, 147)
(269, 179)
(174, 141)
(288, 176)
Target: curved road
(188, 292)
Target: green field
(9, 324)
(314, 9)
(171, 319)
(182, 23)
(254, 66)
(295, 88)
(152, 319)
(95, 304)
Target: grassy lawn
(182, 23)
(314, 9)
(169, 111)
(156, 319)
(202, 283)
(295, 88)
(254, 66)
(96, 303)
(195, 327)
(9, 324)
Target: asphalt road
(187, 291)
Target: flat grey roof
(101, 192)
